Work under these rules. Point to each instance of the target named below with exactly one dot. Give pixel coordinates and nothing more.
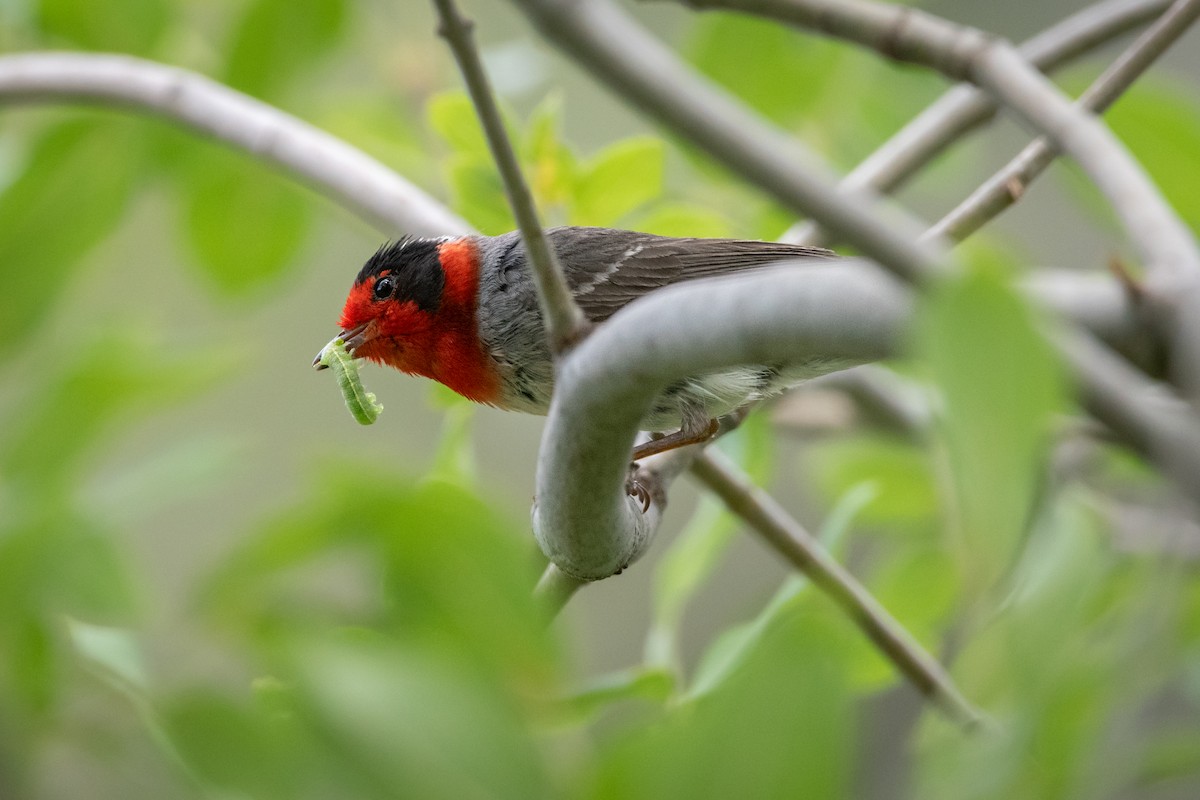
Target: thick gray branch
(584, 521)
(296, 148)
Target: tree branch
(1007, 186)
(584, 521)
(964, 107)
(616, 50)
(841, 314)
(564, 322)
(1144, 414)
(555, 588)
(903, 33)
(788, 538)
(295, 148)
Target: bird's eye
(383, 287)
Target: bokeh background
(190, 522)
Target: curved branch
(1007, 186)
(964, 107)
(332, 167)
(584, 522)
(840, 314)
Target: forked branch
(1006, 187)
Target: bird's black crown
(415, 269)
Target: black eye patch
(413, 272)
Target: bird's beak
(352, 338)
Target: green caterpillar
(362, 404)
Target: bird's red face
(394, 306)
(412, 307)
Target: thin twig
(793, 542)
(565, 323)
(997, 194)
(964, 107)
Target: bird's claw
(636, 490)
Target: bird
(463, 311)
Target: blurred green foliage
(372, 633)
(1158, 119)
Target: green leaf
(683, 219)
(413, 724)
(55, 566)
(453, 118)
(899, 472)
(234, 747)
(390, 131)
(73, 189)
(479, 194)
(654, 685)
(1059, 672)
(31, 677)
(455, 574)
(866, 100)
(779, 72)
(113, 651)
(93, 26)
(1174, 754)
(118, 375)
(276, 39)
(1158, 120)
(1160, 123)
(454, 461)
(780, 725)
(1001, 387)
(692, 558)
(621, 178)
(460, 574)
(246, 225)
(698, 551)
(919, 587)
(735, 645)
(550, 165)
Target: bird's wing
(607, 269)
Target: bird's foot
(635, 489)
(680, 438)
